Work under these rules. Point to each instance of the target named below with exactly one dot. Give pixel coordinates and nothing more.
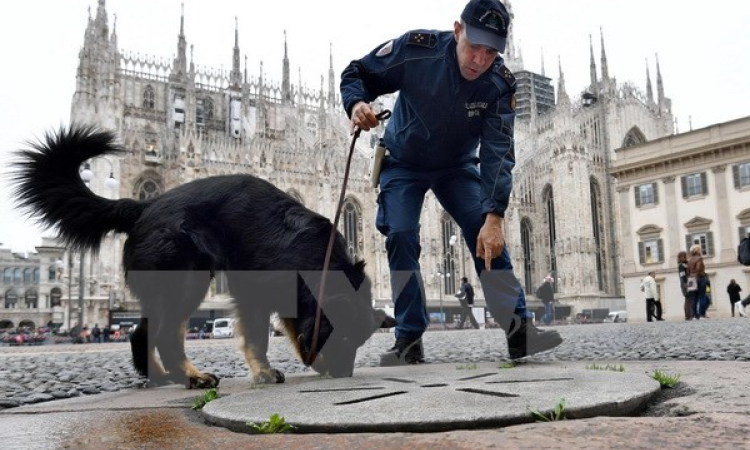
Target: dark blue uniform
(441, 128)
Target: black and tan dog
(269, 245)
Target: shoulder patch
(386, 49)
(504, 72)
(428, 40)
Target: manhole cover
(434, 397)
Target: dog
(268, 244)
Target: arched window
(148, 97)
(528, 255)
(17, 276)
(11, 298)
(597, 224)
(27, 275)
(449, 259)
(32, 299)
(633, 137)
(549, 205)
(8, 276)
(352, 228)
(55, 296)
(208, 108)
(52, 273)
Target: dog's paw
(269, 376)
(203, 381)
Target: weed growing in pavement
(506, 365)
(666, 381)
(209, 395)
(276, 424)
(557, 414)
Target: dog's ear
(384, 319)
(356, 274)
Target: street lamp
(87, 175)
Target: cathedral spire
(331, 79)
(286, 91)
(649, 89)
(605, 68)
(180, 62)
(113, 38)
(512, 55)
(659, 85)
(235, 76)
(562, 95)
(101, 22)
(592, 65)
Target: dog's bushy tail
(48, 186)
(139, 347)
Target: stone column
(628, 263)
(673, 226)
(724, 242)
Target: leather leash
(383, 115)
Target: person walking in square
(466, 297)
(546, 294)
(734, 289)
(651, 294)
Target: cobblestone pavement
(43, 373)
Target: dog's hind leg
(182, 293)
(255, 325)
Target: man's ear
(456, 30)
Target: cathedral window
(450, 254)
(646, 194)
(148, 97)
(528, 255)
(147, 189)
(353, 228)
(694, 185)
(549, 202)
(208, 108)
(741, 175)
(633, 137)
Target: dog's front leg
(255, 333)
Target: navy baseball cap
(487, 23)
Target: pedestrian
(455, 109)
(734, 289)
(466, 297)
(651, 294)
(96, 334)
(689, 299)
(697, 271)
(106, 333)
(546, 294)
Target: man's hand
(491, 239)
(363, 117)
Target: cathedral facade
(179, 122)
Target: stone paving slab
(435, 397)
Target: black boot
(404, 352)
(526, 339)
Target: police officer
(455, 95)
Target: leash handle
(382, 115)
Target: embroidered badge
(385, 50)
(422, 39)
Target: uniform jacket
(440, 118)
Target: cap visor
(481, 37)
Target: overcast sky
(702, 48)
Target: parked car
(617, 317)
(223, 328)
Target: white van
(223, 328)
(617, 317)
